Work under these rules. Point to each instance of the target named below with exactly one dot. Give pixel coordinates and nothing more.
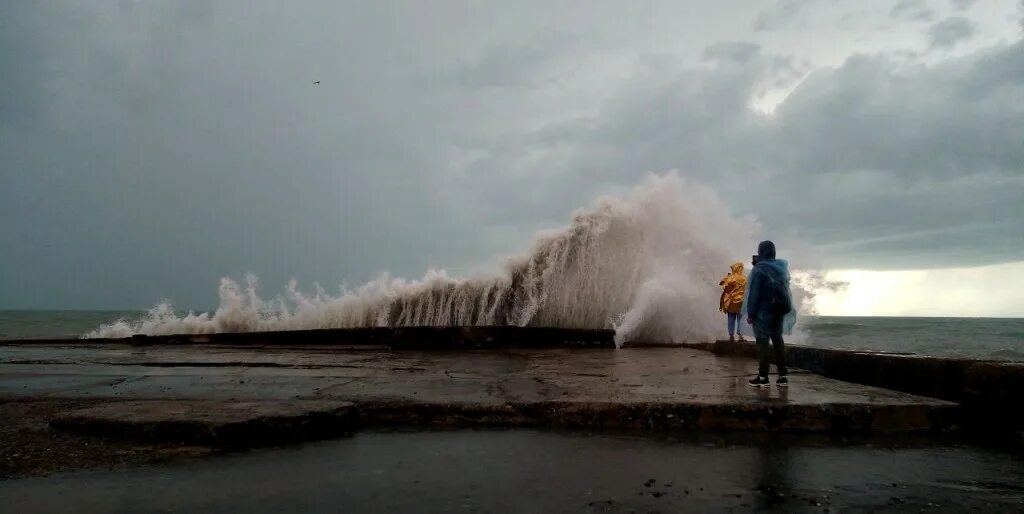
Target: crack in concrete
(320, 392)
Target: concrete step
(212, 423)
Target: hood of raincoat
(737, 267)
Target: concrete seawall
(396, 338)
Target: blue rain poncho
(765, 271)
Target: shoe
(742, 340)
(782, 381)
(758, 381)
(732, 339)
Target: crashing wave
(646, 265)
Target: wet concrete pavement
(530, 471)
(681, 406)
(711, 390)
(651, 374)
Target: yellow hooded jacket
(732, 290)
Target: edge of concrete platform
(987, 391)
(212, 423)
(250, 424)
(668, 416)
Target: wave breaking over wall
(646, 264)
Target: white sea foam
(646, 264)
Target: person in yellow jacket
(731, 302)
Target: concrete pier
(79, 403)
(652, 388)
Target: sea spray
(646, 264)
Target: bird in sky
(316, 82)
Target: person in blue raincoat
(768, 305)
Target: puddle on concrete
(534, 471)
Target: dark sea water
(978, 338)
(54, 324)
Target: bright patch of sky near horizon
(987, 291)
(445, 134)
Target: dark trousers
(763, 332)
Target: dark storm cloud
(961, 5)
(949, 32)
(148, 149)
(25, 92)
(731, 50)
(513, 65)
(912, 10)
(173, 150)
(883, 163)
(782, 14)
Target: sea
(975, 338)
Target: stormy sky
(149, 148)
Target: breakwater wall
(410, 338)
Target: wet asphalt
(549, 471)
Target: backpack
(777, 301)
